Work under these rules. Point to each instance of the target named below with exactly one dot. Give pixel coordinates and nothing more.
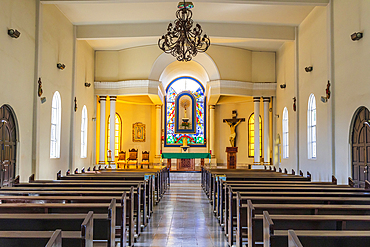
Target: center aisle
(183, 217)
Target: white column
(158, 131)
(102, 100)
(112, 125)
(256, 101)
(212, 130)
(266, 129)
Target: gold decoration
(138, 132)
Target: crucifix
(233, 122)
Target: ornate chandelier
(182, 40)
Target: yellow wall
(130, 114)
(222, 133)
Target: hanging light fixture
(182, 40)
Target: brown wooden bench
(306, 238)
(34, 238)
(272, 223)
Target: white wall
(313, 51)
(351, 89)
(17, 58)
(285, 68)
(85, 96)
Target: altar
(185, 161)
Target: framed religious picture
(138, 132)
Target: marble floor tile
(183, 217)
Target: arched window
(117, 135)
(55, 126)
(285, 134)
(84, 133)
(311, 127)
(185, 113)
(251, 135)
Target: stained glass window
(196, 89)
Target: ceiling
(94, 12)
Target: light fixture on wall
(308, 69)
(14, 33)
(282, 86)
(294, 104)
(357, 36)
(182, 40)
(61, 66)
(87, 84)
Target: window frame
(285, 128)
(84, 126)
(119, 137)
(55, 131)
(250, 143)
(312, 128)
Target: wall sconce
(277, 115)
(308, 69)
(87, 84)
(357, 36)
(14, 33)
(324, 99)
(282, 86)
(61, 66)
(294, 104)
(39, 90)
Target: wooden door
(8, 142)
(361, 147)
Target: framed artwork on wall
(138, 132)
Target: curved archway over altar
(202, 58)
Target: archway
(360, 146)
(8, 145)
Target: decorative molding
(242, 88)
(127, 87)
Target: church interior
(299, 65)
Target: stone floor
(183, 217)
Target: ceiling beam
(227, 30)
(270, 2)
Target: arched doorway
(360, 146)
(8, 145)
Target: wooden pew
(84, 193)
(272, 223)
(241, 208)
(321, 238)
(222, 190)
(254, 217)
(104, 211)
(32, 238)
(55, 240)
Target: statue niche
(185, 113)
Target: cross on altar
(233, 122)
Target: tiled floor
(183, 217)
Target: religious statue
(185, 103)
(233, 123)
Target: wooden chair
(145, 159)
(132, 157)
(121, 163)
